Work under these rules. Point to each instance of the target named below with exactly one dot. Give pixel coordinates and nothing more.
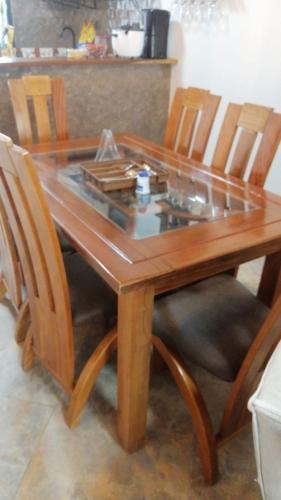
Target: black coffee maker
(156, 27)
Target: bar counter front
(121, 94)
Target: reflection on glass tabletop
(177, 199)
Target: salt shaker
(143, 186)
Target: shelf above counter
(17, 62)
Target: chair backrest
(46, 94)
(190, 121)
(238, 137)
(236, 413)
(10, 267)
(42, 263)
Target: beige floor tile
(87, 463)
(34, 386)
(7, 319)
(21, 425)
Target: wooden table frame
(139, 269)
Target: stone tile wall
(38, 23)
(126, 98)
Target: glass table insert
(178, 199)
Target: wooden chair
(219, 325)
(11, 280)
(238, 138)
(32, 98)
(190, 121)
(61, 292)
(39, 90)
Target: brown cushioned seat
(91, 298)
(211, 323)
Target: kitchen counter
(126, 95)
(18, 62)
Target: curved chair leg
(88, 377)
(3, 289)
(23, 322)
(28, 355)
(236, 414)
(197, 409)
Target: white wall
(243, 64)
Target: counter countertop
(10, 62)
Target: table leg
(135, 309)
(270, 283)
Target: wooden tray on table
(121, 174)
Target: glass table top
(178, 199)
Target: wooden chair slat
(39, 88)
(226, 136)
(188, 125)
(27, 224)
(10, 267)
(242, 153)
(209, 112)
(21, 112)
(190, 121)
(18, 235)
(267, 150)
(252, 120)
(195, 98)
(37, 85)
(60, 111)
(254, 117)
(42, 118)
(174, 119)
(44, 228)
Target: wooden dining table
(142, 249)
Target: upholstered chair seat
(212, 323)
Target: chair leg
(3, 289)
(23, 322)
(236, 414)
(88, 377)
(28, 355)
(197, 409)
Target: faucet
(68, 28)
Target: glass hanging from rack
(199, 14)
(128, 12)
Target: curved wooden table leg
(88, 377)
(23, 322)
(28, 355)
(197, 408)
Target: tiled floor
(41, 459)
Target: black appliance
(156, 27)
